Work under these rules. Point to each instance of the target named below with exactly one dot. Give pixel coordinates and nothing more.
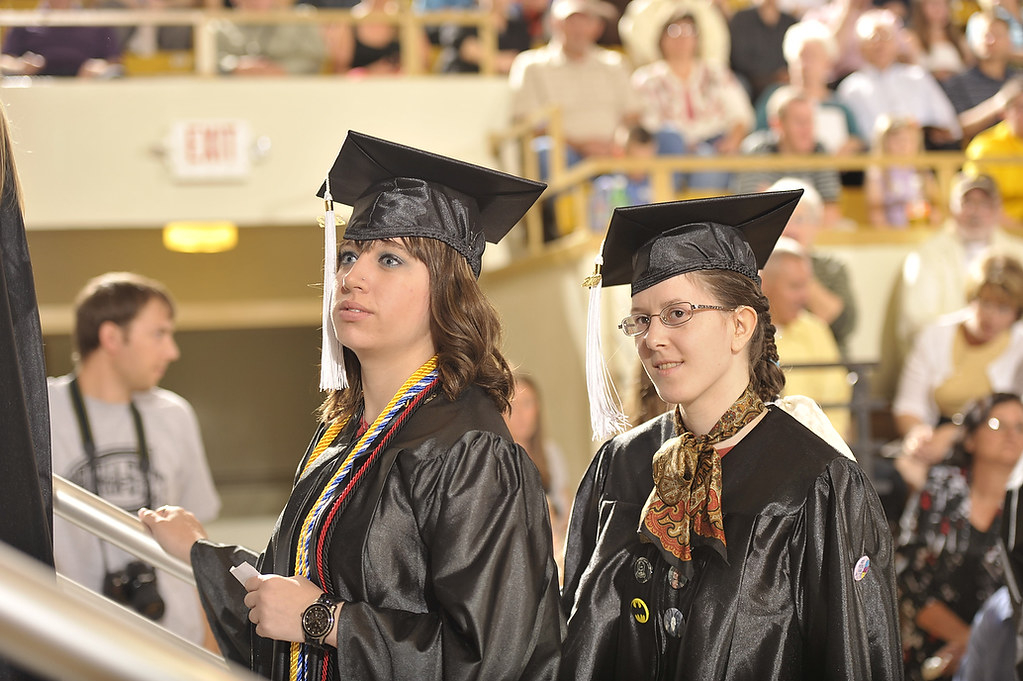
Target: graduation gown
(795, 600)
(443, 558)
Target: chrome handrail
(131, 619)
(63, 636)
(108, 522)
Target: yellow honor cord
(321, 446)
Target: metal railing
(110, 523)
(204, 22)
(63, 635)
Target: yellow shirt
(808, 340)
(998, 142)
(968, 380)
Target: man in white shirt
(115, 433)
(588, 83)
(886, 86)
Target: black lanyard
(90, 446)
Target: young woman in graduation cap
(416, 543)
(725, 540)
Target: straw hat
(643, 22)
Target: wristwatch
(318, 619)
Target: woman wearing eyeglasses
(724, 540)
(948, 543)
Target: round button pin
(643, 570)
(676, 580)
(673, 621)
(861, 569)
(640, 611)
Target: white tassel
(607, 418)
(332, 359)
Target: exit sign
(210, 149)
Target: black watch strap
(318, 619)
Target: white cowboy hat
(643, 22)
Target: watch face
(316, 620)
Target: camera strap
(90, 449)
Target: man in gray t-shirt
(124, 341)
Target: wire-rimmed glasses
(675, 314)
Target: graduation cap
(398, 191)
(648, 244)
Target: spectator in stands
(268, 49)
(792, 132)
(696, 106)
(935, 43)
(462, 51)
(948, 538)
(82, 51)
(801, 336)
(590, 84)
(643, 21)
(957, 359)
(1010, 11)
(627, 188)
(886, 86)
(829, 293)
(1003, 142)
(810, 52)
(757, 33)
(147, 40)
(840, 16)
(369, 46)
(933, 277)
(974, 92)
(898, 196)
(525, 423)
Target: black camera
(135, 585)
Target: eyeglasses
(671, 316)
(681, 29)
(996, 425)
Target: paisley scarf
(684, 509)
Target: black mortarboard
(397, 191)
(647, 244)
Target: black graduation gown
(798, 517)
(443, 558)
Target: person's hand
(928, 444)
(32, 63)
(258, 66)
(98, 68)
(174, 528)
(276, 605)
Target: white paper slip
(244, 572)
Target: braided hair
(732, 290)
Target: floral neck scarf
(684, 509)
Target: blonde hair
(1001, 276)
(887, 124)
(803, 32)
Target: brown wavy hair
(732, 289)
(466, 332)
